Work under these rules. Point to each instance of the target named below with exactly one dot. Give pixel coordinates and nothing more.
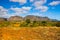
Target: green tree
(4, 24)
(27, 21)
(58, 24)
(44, 23)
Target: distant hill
(15, 18)
(31, 17)
(37, 18)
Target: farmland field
(29, 33)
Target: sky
(45, 8)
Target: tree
(44, 23)
(58, 24)
(4, 24)
(35, 23)
(27, 21)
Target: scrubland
(30, 33)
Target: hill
(36, 18)
(15, 18)
(31, 17)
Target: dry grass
(35, 33)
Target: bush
(58, 24)
(44, 23)
(4, 24)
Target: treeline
(29, 23)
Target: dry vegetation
(28, 33)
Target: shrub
(4, 24)
(44, 23)
(58, 24)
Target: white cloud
(20, 1)
(31, 0)
(54, 3)
(39, 5)
(42, 8)
(3, 12)
(38, 0)
(26, 8)
(44, 1)
(21, 10)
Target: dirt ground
(35, 33)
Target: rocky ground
(35, 33)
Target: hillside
(37, 18)
(15, 18)
(31, 17)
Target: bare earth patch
(35, 33)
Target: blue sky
(49, 8)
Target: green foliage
(24, 24)
(58, 24)
(29, 23)
(44, 23)
(4, 24)
(36, 23)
